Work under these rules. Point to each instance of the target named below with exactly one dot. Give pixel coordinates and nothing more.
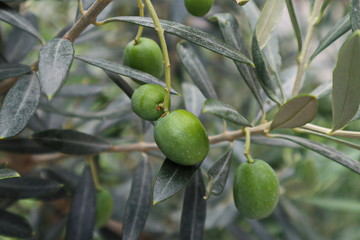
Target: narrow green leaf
(342, 27)
(274, 142)
(269, 18)
(294, 23)
(12, 225)
(295, 113)
(195, 68)
(346, 84)
(19, 105)
(54, 64)
(122, 70)
(224, 111)
(189, 33)
(139, 202)
(219, 172)
(171, 179)
(193, 98)
(81, 219)
(8, 173)
(19, 21)
(326, 151)
(260, 67)
(10, 70)
(231, 33)
(71, 141)
(27, 187)
(355, 14)
(194, 209)
(334, 204)
(121, 83)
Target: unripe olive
(198, 7)
(145, 101)
(256, 189)
(104, 207)
(182, 138)
(145, 56)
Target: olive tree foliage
(67, 128)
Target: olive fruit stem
(141, 14)
(163, 45)
(94, 172)
(247, 145)
(303, 59)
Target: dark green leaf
(54, 64)
(195, 68)
(326, 151)
(191, 34)
(121, 83)
(23, 146)
(139, 202)
(12, 225)
(194, 209)
(19, 21)
(10, 70)
(295, 113)
(18, 42)
(260, 67)
(270, 16)
(81, 219)
(343, 26)
(19, 105)
(346, 84)
(262, 140)
(61, 175)
(171, 179)
(224, 111)
(71, 141)
(219, 172)
(294, 23)
(193, 98)
(122, 70)
(231, 33)
(8, 173)
(355, 14)
(26, 187)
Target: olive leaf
(193, 98)
(231, 33)
(219, 172)
(191, 34)
(195, 68)
(12, 225)
(269, 18)
(19, 21)
(121, 83)
(54, 64)
(81, 219)
(324, 150)
(194, 209)
(71, 141)
(10, 70)
(139, 202)
(19, 105)
(8, 173)
(295, 113)
(346, 84)
(355, 14)
(23, 146)
(224, 111)
(334, 204)
(171, 178)
(294, 22)
(339, 29)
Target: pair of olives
(198, 7)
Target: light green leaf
(334, 204)
(295, 113)
(224, 111)
(294, 23)
(269, 18)
(355, 14)
(191, 34)
(346, 82)
(54, 65)
(8, 173)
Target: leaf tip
(155, 202)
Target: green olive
(145, 56)
(182, 138)
(104, 207)
(145, 101)
(256, 189)
(198, 7)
